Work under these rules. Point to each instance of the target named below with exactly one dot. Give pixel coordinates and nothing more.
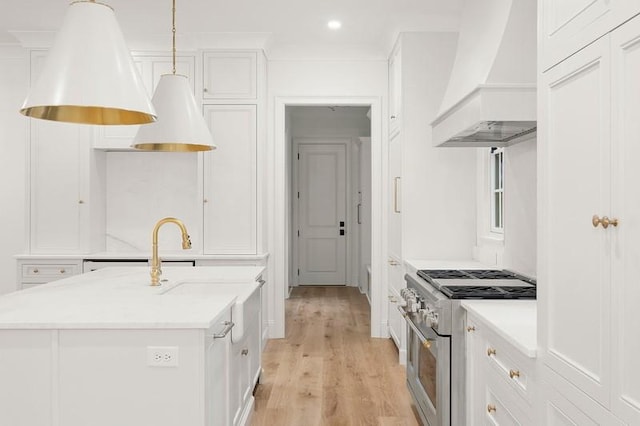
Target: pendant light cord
(174, 36)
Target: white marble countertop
(514, 320)
(118, 298)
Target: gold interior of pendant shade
(88, 115)
(172, 147)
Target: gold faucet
(156, 269)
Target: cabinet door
(474, 374)
(230, 215)
(625, 44)
(569, 25)
(395, 91)
(574, 184)
(394, 210)
(151, 68)
(230, 75)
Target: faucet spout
(156, 263)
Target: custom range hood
(491, 97)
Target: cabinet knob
(35, 271)
(471, 328)
(244, 352)
(427, 343)
(80, 201)
(393, 117)
(491, 408)
(205, 90)
(491, 351)
(514, 373)
(393, 262)
(62, 271)
(205, 201)
(604, 221)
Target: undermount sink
(246, 306)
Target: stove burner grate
(488, 292)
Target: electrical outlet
(162, 356)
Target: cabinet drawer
(501, 406)
(38, 273)
(504, 362)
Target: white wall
(144, 187)
(321, 82)
(438, 203)
(520, 208)
(14, 145)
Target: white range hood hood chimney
(491, 97)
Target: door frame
(330, 140)
(277, 198)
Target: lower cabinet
(500, 379)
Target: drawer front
(50, 272)
(503, 364)
(502, 407)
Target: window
(496, 190)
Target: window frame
(496, 190)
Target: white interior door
(322, 241)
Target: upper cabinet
(230, 75)
(568, 25)
(395, 90)
(151, 69)
(588, 225)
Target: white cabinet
(395, 90)
(151, 69)
(65, 201)
(230, 75)
(246, 355)
(500, 380)
(230, 206)
(569, 25)
(394, 188)
(587, 287)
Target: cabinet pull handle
(262, 282)
(228, 325)
(605, 221)
(359, 221)
(396, 209)
(244, 352)
(491, 351)
(471, 328)
(393, 117)
(393, 262)
(80, 201)
(491, 408)
(514, 373)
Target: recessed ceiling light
(334, 25)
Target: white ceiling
(283, 27)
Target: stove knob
(402, 303)
(414, 306)
(433, 320)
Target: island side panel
(105, 378)
(26, 374)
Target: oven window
(427, 367)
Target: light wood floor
(328, 371)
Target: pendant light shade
(89, 76)
(180, 126)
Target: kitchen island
(106, 348)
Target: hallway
(328, 371)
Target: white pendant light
(89, 76)
(180, 126)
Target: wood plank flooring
(328, 371)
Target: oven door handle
(426, 342)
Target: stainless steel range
(431, 306)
